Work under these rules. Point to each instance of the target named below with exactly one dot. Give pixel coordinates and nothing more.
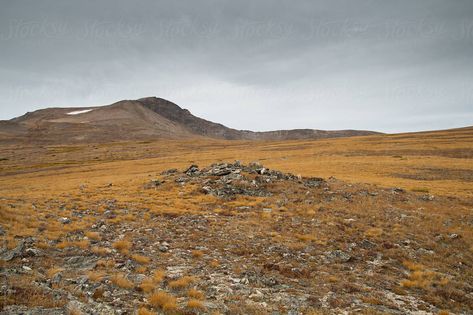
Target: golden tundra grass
(78, 178)
(393, 160)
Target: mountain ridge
(143, 119)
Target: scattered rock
(24, 310)
(154, 183)
(339, 256)
(454, 236)
(398, 190)
(164, 247)
(169, 171)
(427, 197)
(16, 252)
(33, 252)
(366, 244)
(56, 278)
(192, 170)
(64, 220)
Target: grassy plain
(39, 184)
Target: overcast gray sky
(383, 65)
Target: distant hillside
(143, 119)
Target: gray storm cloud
(382, 65)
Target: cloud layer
(381, 65)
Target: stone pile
(226, 180)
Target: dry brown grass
(196, 305)
(105, 263)
(141, 259)
(421, 277)
(214, 263)
(95, 276)
(101, 251)
(147, 285)
(93, 235)
(122, 246)
(159, 275)
(28, 295)
(197, 253)
(141, 269)
(305, 237)
(83, 244)
(121, 281)
(373, 232)
(74, 311)
(53, 271)
(163, 300)
(438, 163)
(181, 283)
(145, 311)
(195, 294)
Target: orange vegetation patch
(182, 283)
(163, 300)
(121, 281)
(141, 259)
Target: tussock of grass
(101, 251)
(158, 275)
(95, 276)
(123, 246)
(195, 304)
(163, 300)
(147, 285)
(145, 311)
(214, 263)
(373, 232)
(141, 269)
(121, 281)
(182, 283)
(83, 244)
(93, 235)
(195, 294)
(197, 253)
(104, 263)
(140, 259)
(53, 271)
